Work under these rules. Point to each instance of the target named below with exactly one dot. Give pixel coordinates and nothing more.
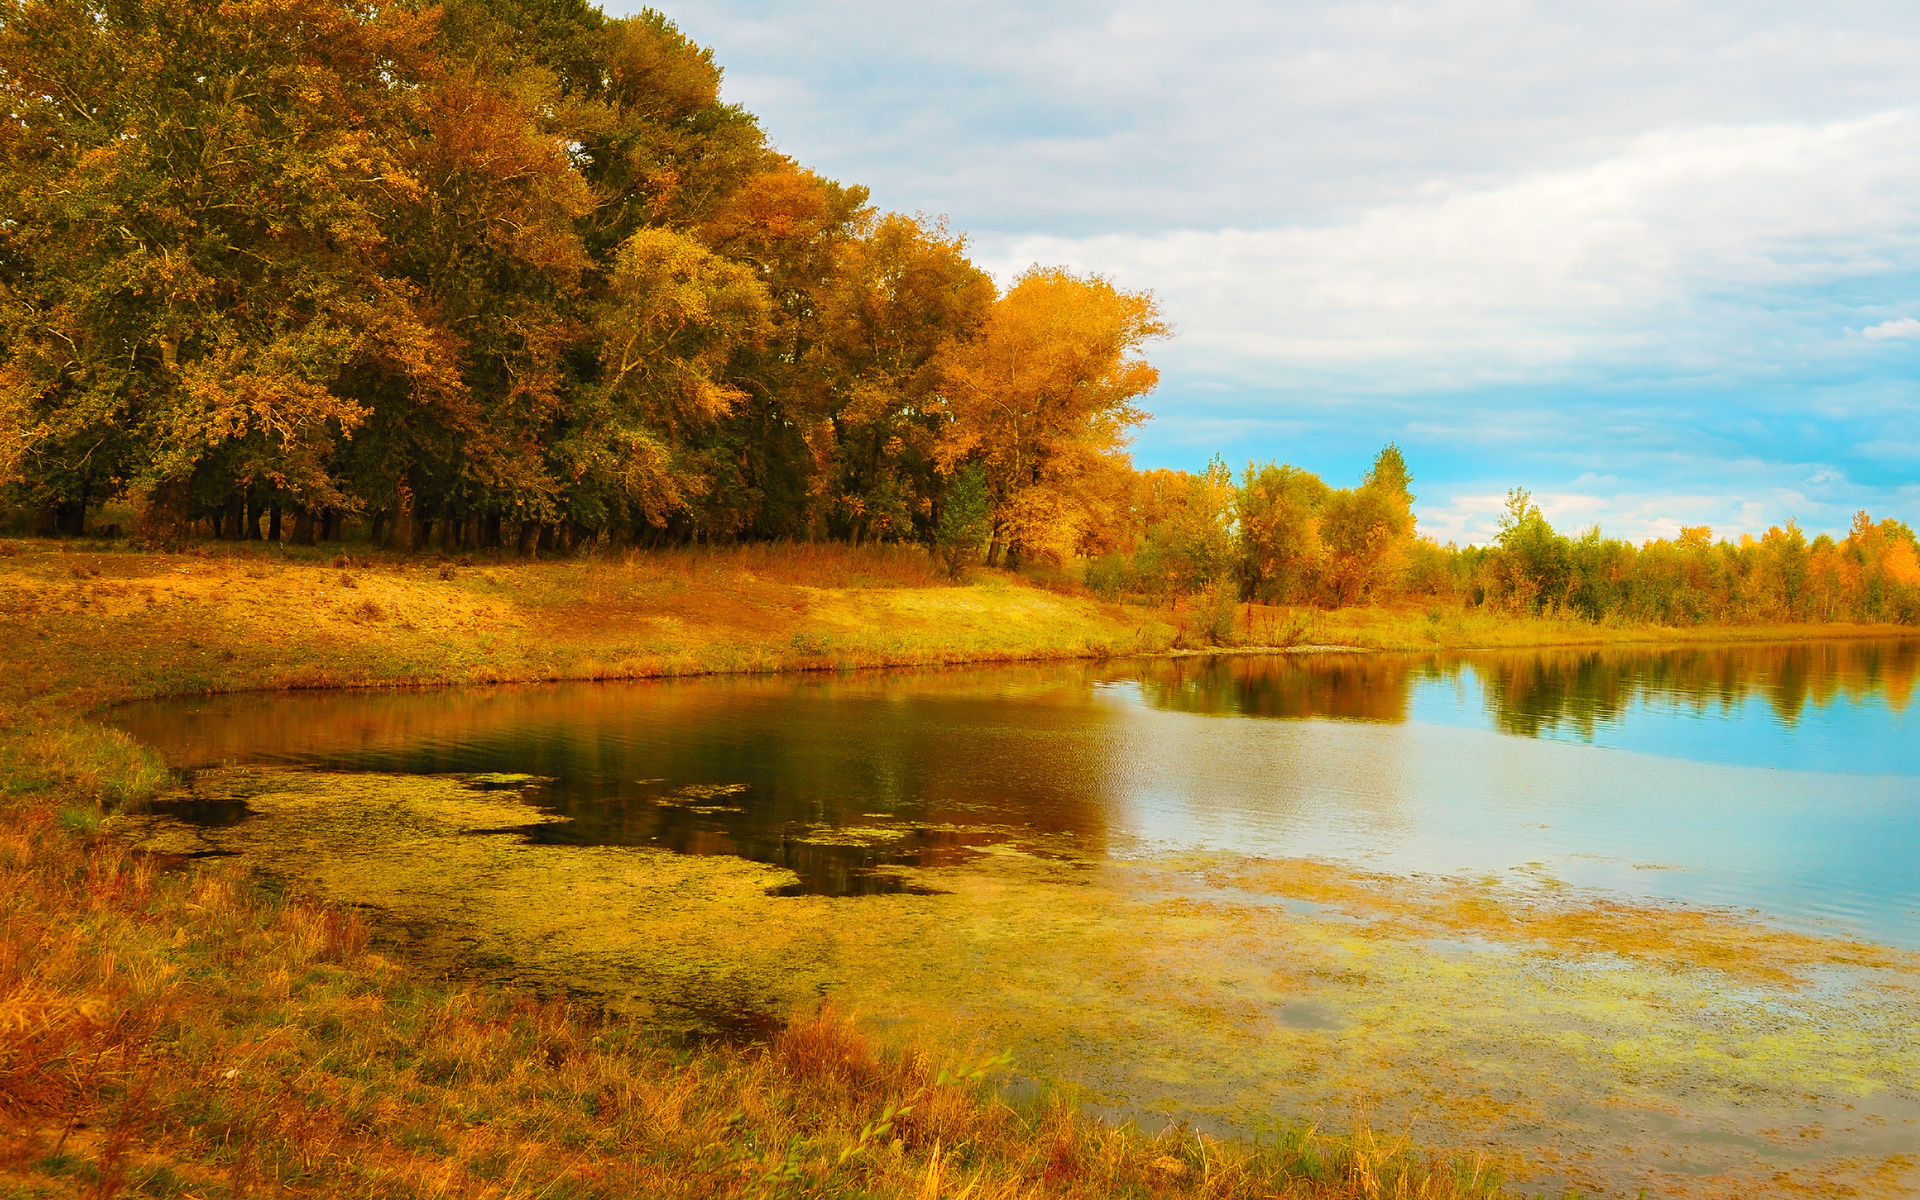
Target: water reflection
(836, 779)
(1782, 777)
(1359, 687)
(1536, 693)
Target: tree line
(1281, 535)
(503, 273)
(510, 275)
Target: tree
(901, 294)
(1368, 531)
(965, 520)
(1281, 554)
(1043, 399)
(196, 276)
(1534, 559)
(675, 314)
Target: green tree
(196, 274)
(1534, 560)
(1281, 555)
(966, 520)
(1368, 531)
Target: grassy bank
(92, 626)
(172, 1027)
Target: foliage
(965, 520)
(1287, 538)
(501, 273)
(1044, 398)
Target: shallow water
(1784, 780)
(1238, 892)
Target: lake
(1785, 779)
(1231, 890)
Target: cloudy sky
(1658, 263)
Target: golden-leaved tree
(195, 258)
(1043, 399)
(1368, 531)
(902, 295)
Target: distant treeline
(502, 273)
(1282, 535)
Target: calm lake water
(1783, 779)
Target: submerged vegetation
(178, 1029)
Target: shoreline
(247, 619)
(97, 629)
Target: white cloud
(1630, 240)
(1657, 253)
(1905, 327)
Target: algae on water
(1229, 991)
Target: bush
(965, 521)
(1108, 576)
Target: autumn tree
(902, 294)
(1043, 398)
(1192, 547)
(1368, 531)
(676, 312)
(198, 287)
(1281, 554)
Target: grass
(1419, 625)
(171, 1027)
(183, 1029)
(98, 627)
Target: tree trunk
(492, 539)
(73, 515)
(400, 535)
(253, 508)
(529, 539)
(163, 515)
(993, 552)
(273, 522)
(545, 544)
(379, 528)
(303, 526)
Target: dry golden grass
(96, 627)
(176, 1029)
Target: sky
(1657, 263)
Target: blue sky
(1658, 263)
